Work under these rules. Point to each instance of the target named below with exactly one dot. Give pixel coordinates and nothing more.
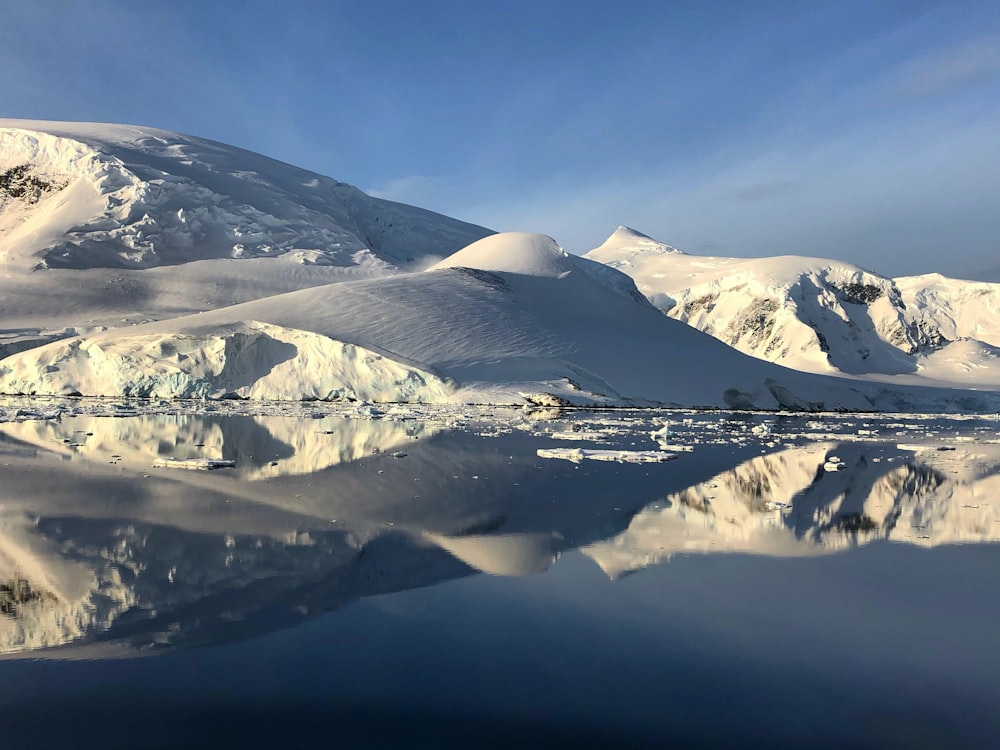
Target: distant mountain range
(823, 316)
(138, 262)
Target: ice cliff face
(76, 195)
(820, 315)
(242, 360)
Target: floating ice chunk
(917, 447)
(675, 447)
(662, 433)
(833, 463)
(621, 456)
(662, 437)
(194, 463)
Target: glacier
(142, 263)
(512, 318)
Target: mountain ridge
(139, 262)
(826, 316)
(451, 334)
(139, 197)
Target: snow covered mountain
(952, 309)
(109, 225)
(823, 316)
(510, 319)
(77, 195)
(138, 262)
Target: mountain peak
(624, 232)
(625, 239)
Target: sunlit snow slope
(82, 195)
(108, 225)
(510, 319)
(823, 316)
(162, 264)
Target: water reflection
(818, 498)
(263, 446)
(96, 546)
(317, 513)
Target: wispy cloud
(416, 189)
(711, 248)
(916, 198)
(945, 70)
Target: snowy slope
(953, 309)
(96, 195)
(109, 225)
(823, 316)
(509, 319)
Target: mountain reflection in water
(98, 547)
(812, 499)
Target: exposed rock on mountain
(823, 316)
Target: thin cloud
(711, 248)
(974, 61)
(409, 189)
(910, 199)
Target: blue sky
(867, 131)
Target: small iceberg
(201, 464)
(579, 454)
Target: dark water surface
(414, 579)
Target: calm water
(415, 578)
